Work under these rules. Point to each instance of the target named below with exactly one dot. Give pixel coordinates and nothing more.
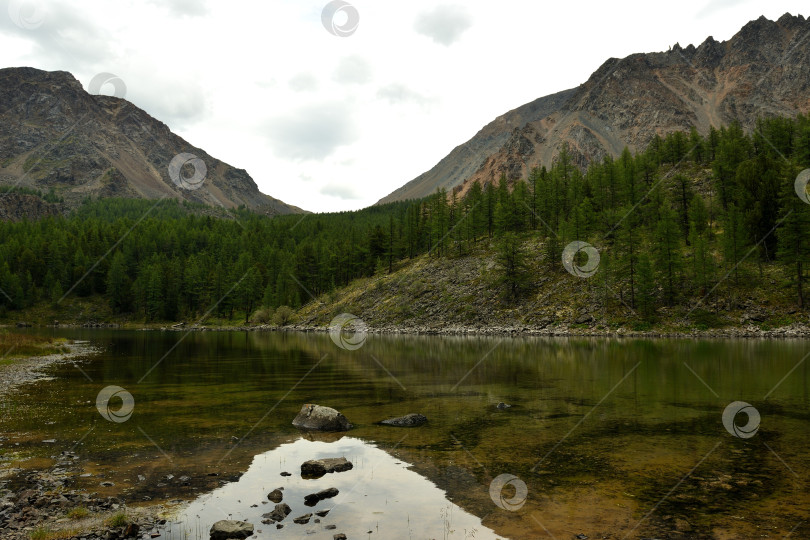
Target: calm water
(611, 438)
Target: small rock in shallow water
(313, 498)
(285, 473)
(330, 527)
(227, 529)
(276, 495)
(315, 468)
(339, 536)
(322, 513)
(409, 420)
(319, 418)
(280, 512)
(502, 406)
(303, 519)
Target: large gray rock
(409, 420)
(319, 418)
(225, 529)
(315, 468)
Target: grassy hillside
(434, 294)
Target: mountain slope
(466, 158)
(55, 135)
(764, 70)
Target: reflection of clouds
(380, 491)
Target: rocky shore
(795, 330)
(26, 370)
(41, 504)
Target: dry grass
(117, 520)
(79, 512)
(44, 533)
(14, 345)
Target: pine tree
(511, 260)
(734, 241)
(118, 284)
(794, 234)
(667, 253)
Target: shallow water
(612, 438)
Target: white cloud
(340, 191)
(396, 93)
(313, 132)
(353, 70)
(444, 24)
(303, 82)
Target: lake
(605, 438)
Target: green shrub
(283, 315)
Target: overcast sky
(327, 121)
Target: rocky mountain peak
(56, 136)
(763, 70)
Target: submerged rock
(409, 420)
(225, 529)
(314, 498)
(315, 468)
(501, 406)
(319, 418)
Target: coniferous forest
(688, 216)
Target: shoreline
(794, 330)
(30, 369)
(41, 504)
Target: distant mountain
(55, 135)
(764, 70)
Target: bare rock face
(225, 529)
(319, 418)
(315, 468)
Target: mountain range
(762, 71)
(55, 136)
